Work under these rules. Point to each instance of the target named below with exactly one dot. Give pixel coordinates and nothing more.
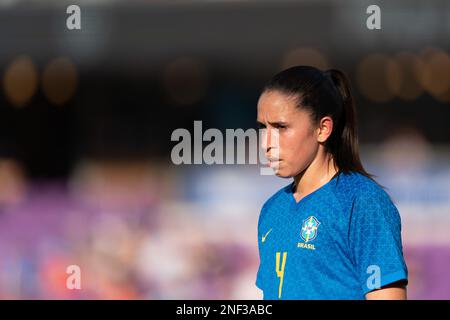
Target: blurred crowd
(123, 225)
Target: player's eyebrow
(274, 123)
(278, 123)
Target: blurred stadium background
(86, 118)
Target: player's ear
(325, 128)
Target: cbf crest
(309, 228)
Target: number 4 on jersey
(280, 272)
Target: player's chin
(282, 171)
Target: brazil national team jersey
(339, 242)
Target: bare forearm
(391, 293)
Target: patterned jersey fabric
(339, 242)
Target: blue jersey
(339, 242)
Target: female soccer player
(333, 233)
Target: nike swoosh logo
(265, 236)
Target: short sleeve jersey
(341, 241)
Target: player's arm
(394, 291)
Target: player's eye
(261, 125)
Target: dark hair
(325, 93)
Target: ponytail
(344, 144)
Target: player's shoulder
(368, 189)
(356, 185)
(278, 198)
(367, 196)
(274, 204)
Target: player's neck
(318, 173)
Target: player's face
(287, 132)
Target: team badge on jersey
(309, 228)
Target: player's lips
(273, 162)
